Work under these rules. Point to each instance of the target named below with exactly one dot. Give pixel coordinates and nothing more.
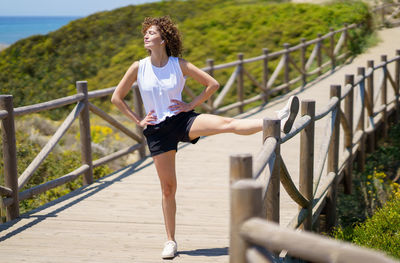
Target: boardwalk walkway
(119, 218)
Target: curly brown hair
(169, 33)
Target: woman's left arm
(190, 70)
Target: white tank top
(159, 85)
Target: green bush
(371, 215)
(381, 231)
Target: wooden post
(240, 79)
(265, 74)
(287, 67)
(84, 126)
(370, 89)
(10, 155)
(241, 167)
(361, 123)
(383, 16)
(138, 107)
(333, 160)
(307, 159)
(245, 204)
(397, 81)
(319, 54)
(385, 124)
(332, 50)
(210, 64)
(303, 61)
(272, 128)
(348, 135)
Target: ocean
(14, 28)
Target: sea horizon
(14, 28)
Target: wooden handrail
(275, 238)
(324, 192)
(116, 155)
(48, 105)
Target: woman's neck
(159, 58)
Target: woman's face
(152, 38)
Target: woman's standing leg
(165, 166)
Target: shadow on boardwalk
(68, 200)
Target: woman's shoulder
(143, 60)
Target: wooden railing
(14, 183)
(294, 67)
(388, 14)
(255, 193)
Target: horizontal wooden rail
(276, 238)
(102, 92)
(116, 155)
(327, 109)
(57, 103)
(53, 183)
(298, 126)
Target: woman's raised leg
(165, 166)
(209, 124)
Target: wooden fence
(255, 193)
(294, 67)
(325, 54)
(14, 183)
(388, 14)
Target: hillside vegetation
(99, 48)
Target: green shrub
(371, 215)
(381, 231)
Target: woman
(161, 78)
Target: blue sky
(62, 7)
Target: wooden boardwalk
(119, 218)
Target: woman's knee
(168, 189)
(228, 124)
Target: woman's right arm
(122, 90)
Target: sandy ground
(3, 46)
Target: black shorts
(164, 136)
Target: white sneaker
(288, 114)
(170, 249)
